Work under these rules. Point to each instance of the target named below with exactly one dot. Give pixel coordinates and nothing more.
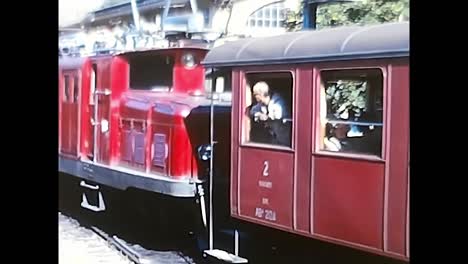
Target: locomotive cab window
(268, 112)
(151, 72)
(351, 110)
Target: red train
(315, 141)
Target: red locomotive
(122, 116)
(316, 144)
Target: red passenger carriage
(342, 174)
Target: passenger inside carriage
(270, 115)
(364, 140)
(337, 138)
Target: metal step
(224, 256)
(85, 201)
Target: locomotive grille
(140, 148)
(159, 150)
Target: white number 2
(265, 168)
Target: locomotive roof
(189, 46)
(347, 42)
(156, 50)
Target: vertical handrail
(211, 167)
(96, 103)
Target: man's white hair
(261, 88)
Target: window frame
(243, 106)
(318, 118)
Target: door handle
(105, 92)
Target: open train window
(351, 110)
(268, 114)
(151, 72)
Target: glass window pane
(352, 111)
(259, 14)
(267, 12)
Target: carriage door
(70, 112)
(266, 151)
(99, 104)
(349, 158)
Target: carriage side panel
(398, 159)
(349, 201)
(302, 179)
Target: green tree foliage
(362, 12)
(346, 98)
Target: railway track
(91, 244)
(140, 255)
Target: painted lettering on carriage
(87, 171)
(259, 212)
(265, 201)
(265, 184)
(266, 165)
(270, 215)
(266, 214)
(87, 168)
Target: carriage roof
(387, 40)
